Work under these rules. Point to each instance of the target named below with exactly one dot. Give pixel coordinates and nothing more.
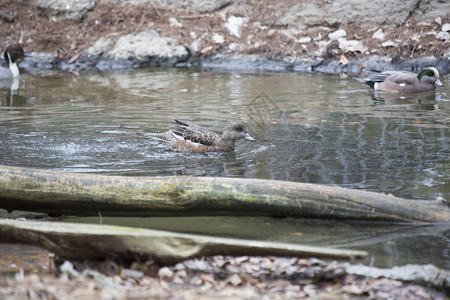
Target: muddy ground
(214, 277)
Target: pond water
(312, 128)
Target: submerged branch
(90, 241)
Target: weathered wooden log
(90, 241)
(87, 194)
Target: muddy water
(310, 128)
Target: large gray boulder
(198, 5)
(139, 49)
(370, 13)
(70, 9)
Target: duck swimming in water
(403, 81)
(12, 55)
(189, 137)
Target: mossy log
(90, 241)
(86, 194)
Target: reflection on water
(310, 128)
(390, 244)
(424, 100)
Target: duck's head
(430, 75)
(236, 131)
(14, 53)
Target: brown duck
(403, 81)
(189, 137)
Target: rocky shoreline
(301, 36)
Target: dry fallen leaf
(208, 278)
(343, 60)
(312, 119)
(74, 58)
(293, 233)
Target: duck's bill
(438, 82)
(248, 137)
(27, 54)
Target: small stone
(174, 23)
(446, 27)
(196, 280)
(177, 280)
(206, 49)
(218, 39)
(389, 44)
(235, 279)
(100, 46)
(67, 268)
(271, 32)
(181, 273)
(443, 35)
(379, 34)
(132, 273)
(340, 33)
(165, 272)
(351, 45)
(234, 25)
(304, 40)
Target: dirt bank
(215, 277)
(298, 35)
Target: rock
(303, 16)
(146, 43)
(145, 48)
(351, 45)
(430, 10)
(165, 273)
(446, 27)
(100, 46)
(136, 274)
(70, 9)
(379, 34)
(218, 39)
(389, 44)
(304, 40)
(340, 33)
(370, 12)
(174, 22)
(247, 63)
(39, 61)
(235, 279)
(67, 268)
(306, 64)
(443, 35)
(199, 5)
(344, 12)
(234, 25)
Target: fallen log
(90, 241)
(86, 194)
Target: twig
(363, 287)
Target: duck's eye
(239, 128)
